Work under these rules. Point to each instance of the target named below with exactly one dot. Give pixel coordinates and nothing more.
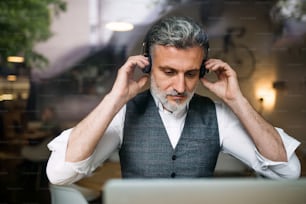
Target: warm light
(15, 59)
(6, 97)
(11, 78)
(267, 97)
(119, 26)
(24, 95)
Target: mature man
(169, 131)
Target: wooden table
(97, 180)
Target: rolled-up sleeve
(62, 172)
(58, 170)
(234, 140)
(289, 169)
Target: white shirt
(233, 140)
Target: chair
(66, 194)
(71, 194)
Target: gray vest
(146, 151)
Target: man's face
(175, 74)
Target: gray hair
(180, 32)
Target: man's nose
(179, 84)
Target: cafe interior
(264, 41)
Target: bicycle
(237, 55)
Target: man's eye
(169, 72)
(191, 74)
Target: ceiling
(80, 30)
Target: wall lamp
(266, 97)
(15, 59)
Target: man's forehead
(168, 55)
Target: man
(168, 131)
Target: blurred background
(58, 58)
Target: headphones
(146, 53)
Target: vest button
(173, 157)
(173, 175)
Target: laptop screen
(205, 191)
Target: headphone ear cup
(203, 70)
(147, 69)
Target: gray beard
(162, 97)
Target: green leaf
(24, 23)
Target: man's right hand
(126, 86)
(86, 134)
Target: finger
(127, 70)
(209, 65)
(140, 59)
(215, 65)
(143, 63)
(206, 83)
(220, 67)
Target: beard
(175, 106)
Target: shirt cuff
(58, 146)
(290, 145)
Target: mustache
(175, 93)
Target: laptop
(205, 191)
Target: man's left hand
(226, 86)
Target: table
(102, 174)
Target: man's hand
(125, 86)
(86, 134)
(263, 134)
(226, 87)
